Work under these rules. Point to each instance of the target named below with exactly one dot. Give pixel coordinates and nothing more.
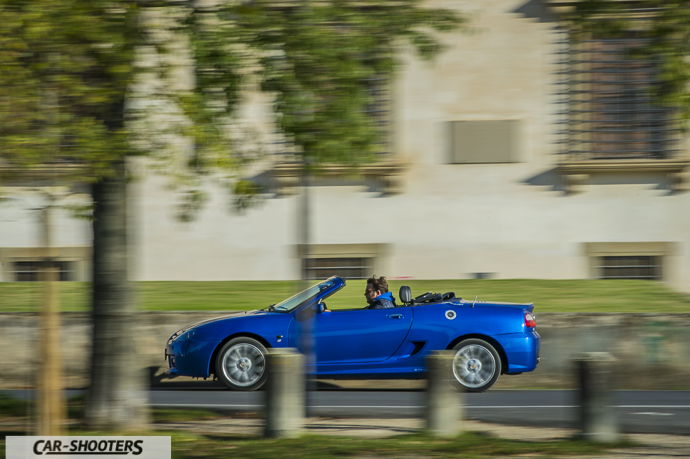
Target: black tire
(476, 365)
(241, 364)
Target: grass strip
(629, 296)
(416, 445)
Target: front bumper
(170, 357)
(189, 357)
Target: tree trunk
(51, 397)
(118, 396)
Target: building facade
(516, 153)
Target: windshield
(308, 294)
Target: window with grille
(347, 267)
(379, 111)
(644, 267)
(30, 271)
(613, 113)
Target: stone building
(516, 153)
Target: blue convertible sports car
(489, 339)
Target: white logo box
(87, 447)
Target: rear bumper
(522, 350)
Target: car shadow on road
(158, 380)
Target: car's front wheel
(476, 365)
(241, 364)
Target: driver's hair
(379, 283)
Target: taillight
(529, 320)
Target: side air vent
(418, 346)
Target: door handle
(395, 316)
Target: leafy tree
(68, 67)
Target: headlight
(183, 334)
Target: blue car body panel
(355, 336)
(191, 357)
(522, 350)
(360, 343)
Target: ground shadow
(536, 9)
(555, 180)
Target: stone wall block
(444, 401)
(597, 418)
(285, 393)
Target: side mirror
(321, 307)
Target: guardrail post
(444, 400)
(284, 394)
(596, 410)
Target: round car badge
(450, 314)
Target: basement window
(349, 268)
(30, 271)
(351, 261)
(643, 267)
(630, 260)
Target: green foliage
(628, 296)
(91, 81)
(465, 445)
(10, 406)
(66, 67)
(667, 26)
(671, 45)
(322, 61)
(216, 80)
(246, 194)
(72, 78)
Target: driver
(377, 294)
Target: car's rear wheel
(241, 364)
(476, 365)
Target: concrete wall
(653, 350)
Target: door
(354, 336)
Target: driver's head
(376, 286)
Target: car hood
(234, 315)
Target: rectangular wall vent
(488, 141)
